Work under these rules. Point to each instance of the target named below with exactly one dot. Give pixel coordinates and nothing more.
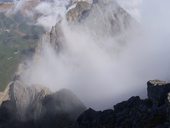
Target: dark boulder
(96, 119)
(158, 91)
(137, 113)
(63, 101)
(133, 113)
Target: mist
(98, 67)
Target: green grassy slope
(17, 40)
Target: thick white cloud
(108, 76)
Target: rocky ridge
(152, 112)
(64, 109)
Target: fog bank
(100, 69)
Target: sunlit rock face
(25, 98)
(76, 14)
(107, 14)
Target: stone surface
(79, 11)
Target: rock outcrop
(158, 91)
(35, 106)
(135, 112)
(24, 98)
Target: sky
(156, 12)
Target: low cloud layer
(100, 69)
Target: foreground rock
(76, 14)
(134, 113)
(64, 110)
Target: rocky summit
(64, 110)
(152, 112)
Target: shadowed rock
(57, 38)
(133, 113)
(24, 99)
(158, 91)
(63, 101)
(61, 109)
